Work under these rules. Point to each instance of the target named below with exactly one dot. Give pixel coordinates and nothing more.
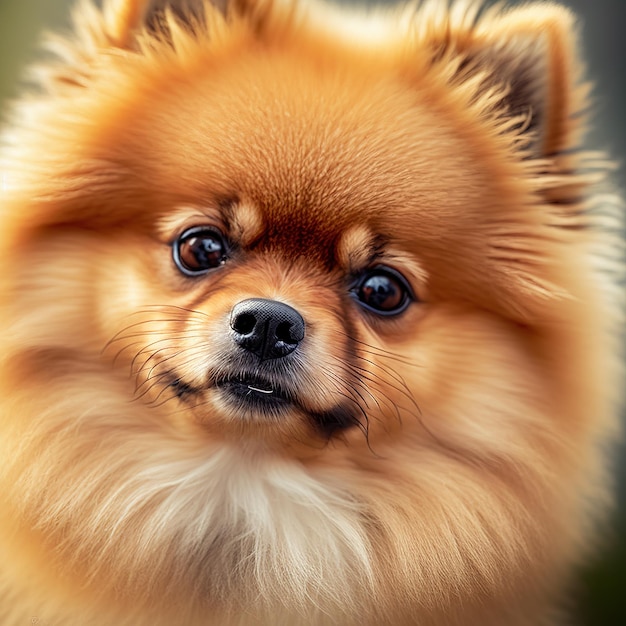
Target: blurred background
(601, 597)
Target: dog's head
(272, 235)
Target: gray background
(601, 598)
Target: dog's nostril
(283, 332)
(244, 323)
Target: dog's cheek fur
(140, 518)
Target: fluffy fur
(441, 141)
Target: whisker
(155, 403)
(165, 307)
(139, 343)
(152, 320)
(345, 383)
(381, 352)
(149, 377)
(122, 349)
(403, 389)
(388, 401)
(144, 349)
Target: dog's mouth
(255, 392)
(257, 396)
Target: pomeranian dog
(308, 319)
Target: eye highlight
(199, 250)
(383, 291)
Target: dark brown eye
(199, 250)
(383, 291)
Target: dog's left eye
(199, 250)
(383, 290)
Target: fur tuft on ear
(531, 53)
(120, 21)
(116, 27)
(124, 18)
(121, 18)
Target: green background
(601, 597)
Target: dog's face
(295, 310)
(297, 275)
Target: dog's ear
(119, 25)
(530, 52)
(122, 19)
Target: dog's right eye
(199, 250)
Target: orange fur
(441, 141)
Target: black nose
(267, 328)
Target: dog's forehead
(286, 135)
(310, 148)
(315, 149)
